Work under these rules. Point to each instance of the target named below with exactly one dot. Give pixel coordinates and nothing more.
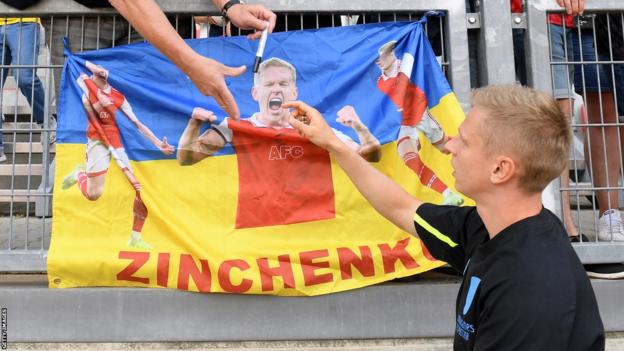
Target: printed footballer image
(411, 102)
(101, 102)
(269, 151)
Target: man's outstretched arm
(386, 196)
(208, 75)
(193, 147)
(162, 145)
(369, 147)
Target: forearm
(219, 3)
(387, 197)
(147, 18)
(149, 135)
(191, 148)
(369, 148)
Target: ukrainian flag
(313, 233)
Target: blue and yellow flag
(157, 187)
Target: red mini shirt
(283, 178)
(105, 114)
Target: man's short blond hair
(274, 62)
(387, 48)
(529, 126)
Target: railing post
(496, 56)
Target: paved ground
(615, 342)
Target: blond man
(523, 286)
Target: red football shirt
(410, 99)
(283, 178)
(105, 114)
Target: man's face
(275, 86)
(471, 164)
(385, 61)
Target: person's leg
(562, 78)
(605, 164)
(24, 43)
(139, 210)
(407, 148)
(619, 99)
(594, 82)
(90, 179)
(568, 221)
(519, 58)
(5, 56)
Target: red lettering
(224, 276)
(308, 266)
(162, 269)
(138, 260)
(363, 263)
(267, 273)
(391, 255)
(188, 268)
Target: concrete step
(19, 182)
(26, 152)
(26, 147)
(21, 169)
(20, 195)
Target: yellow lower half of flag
(190, 226)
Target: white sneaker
(3, 157)
(610, 227)
(52, 135)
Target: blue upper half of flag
(335, 67)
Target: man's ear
(504, 169)
(254, 93)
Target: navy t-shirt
(524, 289)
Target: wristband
(227, 6)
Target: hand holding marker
(261, 44)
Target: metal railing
(569, 56)
(24, 227)
(27, 176)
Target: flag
(156, 187)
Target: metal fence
(26, 177)
(572, 55)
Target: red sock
(140, 213)
(81, 177)
(425, 174)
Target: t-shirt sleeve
(446, 230)
(223, 129)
